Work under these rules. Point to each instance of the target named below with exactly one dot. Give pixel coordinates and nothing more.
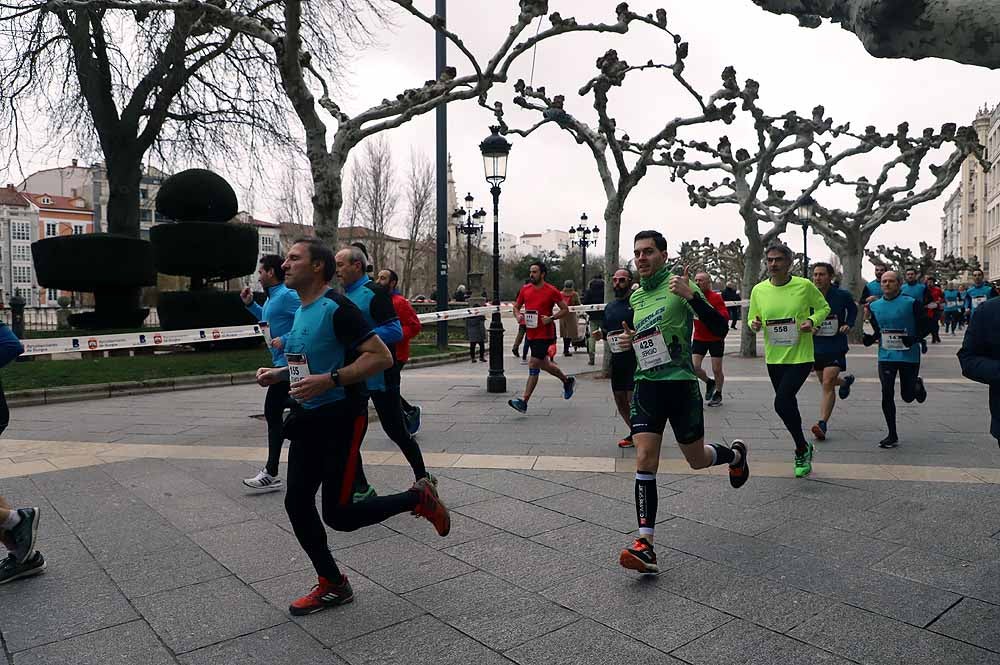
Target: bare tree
(966, 31)
(926, 263)
(354, 195)
(381, 195)
(420, 213)
(292, 192)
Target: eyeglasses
(615, 280)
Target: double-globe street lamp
(470, 227)
(581, 236)
(804, 212)
(495, 150)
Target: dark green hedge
(94, 261)
(179, 310)
(202, 249)
(196, 195)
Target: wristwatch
(335, 375)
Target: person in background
(952, 309)
(935, 308)
(978, 293)
(980, 356)
(594, 295)
(730, 294)
(460, 293)
(568, 324)
(389, 280)
(617, 315)
(704, 342)
(475, 330)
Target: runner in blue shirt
(830, 345)
(978, 293)
(952, 309)
(872, 291)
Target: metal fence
(47, 318)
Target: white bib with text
(782, 332)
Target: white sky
(551, 179)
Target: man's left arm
(819, 305)
(563, 309)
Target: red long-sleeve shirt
(409, 322)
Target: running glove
(908, 340)
(868, 339)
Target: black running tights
(787, 380)
(908, 373)
(274, 408)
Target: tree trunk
(328, 196)
(851, 256)
(751, 275)
(124, 178)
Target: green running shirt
(656, 307)
(782, 309)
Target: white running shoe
(264, 482)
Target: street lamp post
(469, 228)
(581, 236)
(805, 213)
(495, 150)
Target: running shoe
(709, 389)
(323, 595)
(845, 390)
(716, 399)
(819, 431)
(640, 558)
(569, 387)
(803, 462)
(264, 482)
(431, 508)
(890, 441)
(921, 391)
(364, 495)
(739, 474)
(516, 351)
(24, 534)
(11, 570)
(413, 420)
(518, 405)
(626, 442)
(524, 361)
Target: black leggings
(4, 411)
(407, 407)
(787, 380)
(951, 321)
(324, 453)
(908, 374)
(390, 414)
(274, 408)
(472, 350)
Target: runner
(331, 346)
(830, 345)
(935, 308)
(978, 293)
(872, 291)
(389, 280)
(781, 305)
(666, 387)
(706, 343)
(913, 287)
(521, 331)
(963, 315)
(618, 314)
(383, 387)
(275, 319)
(898, 322)
(952, 309)
(539, 300)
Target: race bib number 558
(782, 332)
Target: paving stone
(708, 509)
(609, 513)
(494, 612)
(585, 643)
(522, 562)
(372, 609)
(871, 639)
(941, 539)
(508, 483)
(765, 602)
(637, 606)
(197, 512)
(125, 644)
(456, 493)
(122, 535)
(421, 641)
(751, 555)
(197, 616)
(145, 574)
(611, 485)
(561, 477)
(515, 516)
(602, 546)
(253, 551)
(829, 543)
(742, 643)
(971, 621)
(22, 493)
(286, 643)
(463, 529)
(401, 564)
(841, 495)
(979, 579)
(828, 514)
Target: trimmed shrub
(93, 261)
(196, 195)
(206, 250)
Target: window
(22, 274)
(20, 252)
(53, 295)
(78, 229)
(46, 200)
(20, 231)
(267, 244)
(51, 229)
(143, 193)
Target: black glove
(908, 340)
(867, 339)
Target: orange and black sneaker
(819, 431)
(626, 442)
(640, 557)
(430, 507)
(323, 595)
(739, 474)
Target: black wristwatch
(335, 375)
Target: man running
(275, 319)
(980, 357)
(331, 350)
(383, 387)
(872, 291)
(539, 300)
(707, 343)
(389, 280)
(830, 345)
(978, 293)
(935, 308)
(913, 287)
(666, 387)
(617, 315)
(898, 323)
(952, 309)
(789, 309)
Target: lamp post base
(496, 382)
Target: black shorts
(717, 349)
(623, 371)
(822, 362)
(540, 347)
(654, 403)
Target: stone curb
(61, 394)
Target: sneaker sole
(301, 613)
(745, 451)
(26, 573)
(818, 433)
(263, 490)
(632, 562)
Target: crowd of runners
(334, 352)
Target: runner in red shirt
(411, 328)
(705, 343)
(935, 308)
(539, 299)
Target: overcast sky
(551, 179)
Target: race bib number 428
(650, 349)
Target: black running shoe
(11, 570)
(921, 392)
(739, 474)
(716, 399)
(889, 442)
(845, 390)
(640, 558)
(709, 389)
(25, 533)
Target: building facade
(991, 255)
(57, 216)
(268, 242)
(951, 225)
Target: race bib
(782, 332)
(265, 329)
(298, 366)
(892, 340)
(530, 318)
(977, 301)
(828, 328)
(614, 342)
(650, 349)
(951, 303)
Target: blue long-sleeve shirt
(10, 345)
(844, 311)
(279, 312)
(376, 306)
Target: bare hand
(276, 343)
(756, 324)
(246, 295)
(625, 337)
(806, 326)
(680, 285)
(267, 376)
(597, 335)
(311, 386)
(547, 320)
(870, 299)
(844, 329)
